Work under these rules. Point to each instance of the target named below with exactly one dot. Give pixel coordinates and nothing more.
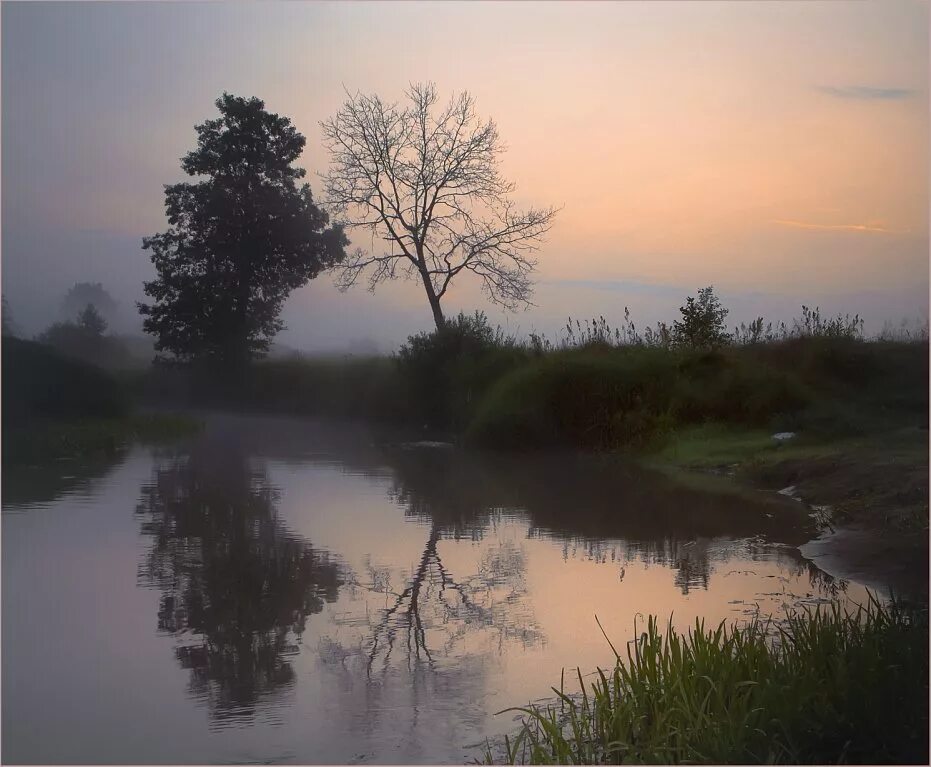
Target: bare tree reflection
(236, 585)
(493, 599)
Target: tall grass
(822, 686)
(597, 387)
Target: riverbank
(57, 408)
(869, 494)
(44, 440)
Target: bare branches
(424, 179)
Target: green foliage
(608, 398)
(594, 398)
(702, 324)
(38, 383)
(39, 442)
(239, 241)
(822, 686)
(445, 372)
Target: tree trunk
(438, 317)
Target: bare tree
(425, 180)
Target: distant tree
(83, 293)
(91, 321)
(239, 241)
(702, 325)
(85, 339)
(9, 325)
(425, 181)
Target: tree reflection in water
(600, 505)
(452, 612)
(236, 585)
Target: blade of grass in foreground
(827, 686)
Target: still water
(281, 590)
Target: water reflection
(42, 484)
(458, 585)
(600, 504)
(236, 585)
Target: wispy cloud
(866, 92)
(836, 227)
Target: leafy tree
(238, 241)
(9, 325)
(81, 294)
(91, 321)
(425, 180)
(702, 325)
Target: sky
(776, 150)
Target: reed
(820, 686)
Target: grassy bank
(870, 479)
(490, 390)
(57, 408)
(44, 440)
(832, 688)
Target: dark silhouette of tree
(81, 294)
(239, 241)
(91, 321)
(702, 325)
(425, 180)
(230, 574)
(9, 325)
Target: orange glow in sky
(760, 146)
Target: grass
(47, 440)
(607, 398)
(877, 479)
(822, 686)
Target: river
(292, 590)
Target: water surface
(284, 590)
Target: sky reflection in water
(281, 590)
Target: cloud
(866, 92)
(835, 227)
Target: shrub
(586, 398)
(702, 324)
(731, 387)
(37, 382)
(445, 372)
(602, 398)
